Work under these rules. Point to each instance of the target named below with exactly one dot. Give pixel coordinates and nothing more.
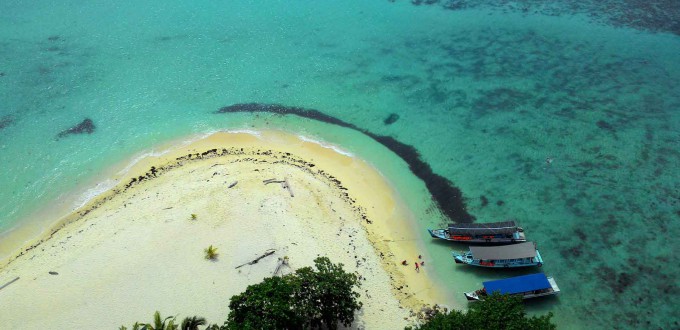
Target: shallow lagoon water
(485, 95)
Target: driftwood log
(282, 262)
(8, 283)
(284, 183)
(266, 254)
(287, 186)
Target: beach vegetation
(159, 323)
(267, 305)
(192, 323)
(319, 297)
(194, 216)
(168, 323)
(326, 295)
(215, 327)
(211, 253)
(494, 312)
(136, 326)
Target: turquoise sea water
(484, 94)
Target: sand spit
(136, 249)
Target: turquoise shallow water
(485, 95)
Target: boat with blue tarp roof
(526, 286)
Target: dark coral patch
(86, 126)
(572, 252)
(448, 197)
(651, 15)
(391, 119)
(6, 121)
(484, 200)
(623, 282)
(605, 125)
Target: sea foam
(326, 145)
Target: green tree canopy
(192, 323)
(326, 296)
(308, 298)
(494, 312)
(267, 305)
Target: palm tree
(192, 323)
(135, 326)
(211, 253)
(161, 325)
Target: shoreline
(377, 218)
(32, 228)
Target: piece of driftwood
(287, 186)
(266, 254)
(8, 283)
(233, 184)
(284, 183)
(53, 273)
(282, 262)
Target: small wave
(139, 158)
(244, 131)
(93, 192)
(326, 145)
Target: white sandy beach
(134, 250)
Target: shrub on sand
(211, 253)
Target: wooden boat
(527, 286)
(505, 232)
(506, 256)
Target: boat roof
(518, 284)
(515, 251)
(503, 227)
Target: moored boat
(505, 232)
(506, 256)
(526, 286)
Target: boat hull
(464, 258)
(443, 235)
(473, 296)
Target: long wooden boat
(506, 256)
(527, 286)
(505, 232)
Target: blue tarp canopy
(518, 284)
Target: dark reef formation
(448, 197)
(391, 119)
(6, 121)
(651, 15)
(86, 126)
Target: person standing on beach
(417, 266)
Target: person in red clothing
(418, 267)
